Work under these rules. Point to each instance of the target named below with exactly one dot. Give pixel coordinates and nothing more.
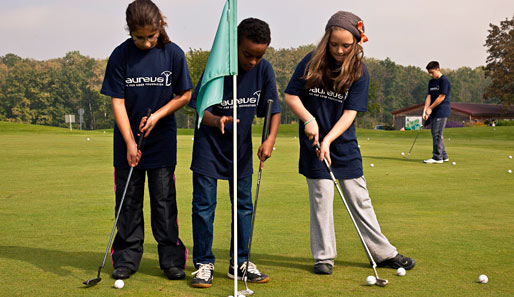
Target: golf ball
(274, 148)
(371, 280)
(483, 279)
(401, 271)
(372, 165)
(192, 138)
(403, 154)
(509, 171)
(88, 139)
(118, 284)
(510, 157)
(453, 163)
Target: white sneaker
(447, 159)
(432, 161)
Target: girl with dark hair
(328, 88)
(147, 71)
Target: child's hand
(147, 124)
(265, 150)
(223, 120)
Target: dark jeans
(204, 206)
(127, 248)
(437, 128)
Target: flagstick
(234, 182)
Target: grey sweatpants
(323, 240)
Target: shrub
(505, 123)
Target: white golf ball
(483, 279)
(403, 154)
(509, 171)
(274, 148)
(371, 280)
(192, 138)
(104, 132)
(88, 139)
(453, 163)
(372, 165)
(510, 157)
(401, 271)
(118, 284)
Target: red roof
(475, 109)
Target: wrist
(310, 120)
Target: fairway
(456, 221)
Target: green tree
(500, 62)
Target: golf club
(97, 279)
(380, 281)
(265, 133)
(420, 127)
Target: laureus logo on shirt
(331, 95)
(242, 102)
(150, 81)
(436, 88)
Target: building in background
(461, 113)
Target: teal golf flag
(222, 60)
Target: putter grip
(142, 135)
(267, 120)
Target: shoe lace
(204, 271)
(252, 268)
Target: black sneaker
(174, 272)
(398, 261)
(253, 274)
(322, 268)
(121, 273)
(203, 276)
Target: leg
(244, 218)
(356, 194)
(323, 239)
(204, 206)
(127, 248)
(437, 129)
(161, 185)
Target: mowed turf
(57, 210)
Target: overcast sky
(409, 32)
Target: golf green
(456, 221)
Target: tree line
(43, 92)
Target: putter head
(246, 292)
(406, 156)
(92, 282)
(381, 282)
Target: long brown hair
(144, 12)
(322, 69)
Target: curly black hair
(254, 30)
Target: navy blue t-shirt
(437, 87)
(147, 79)
(327, 107)
(213, 151)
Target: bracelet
(313, 119)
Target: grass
(57, 209)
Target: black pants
(127, 248)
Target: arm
(147, 124)
(344, 122)
(123, 123)
(428, 109)
(427, 104)
(296, 105)
(266, 148)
